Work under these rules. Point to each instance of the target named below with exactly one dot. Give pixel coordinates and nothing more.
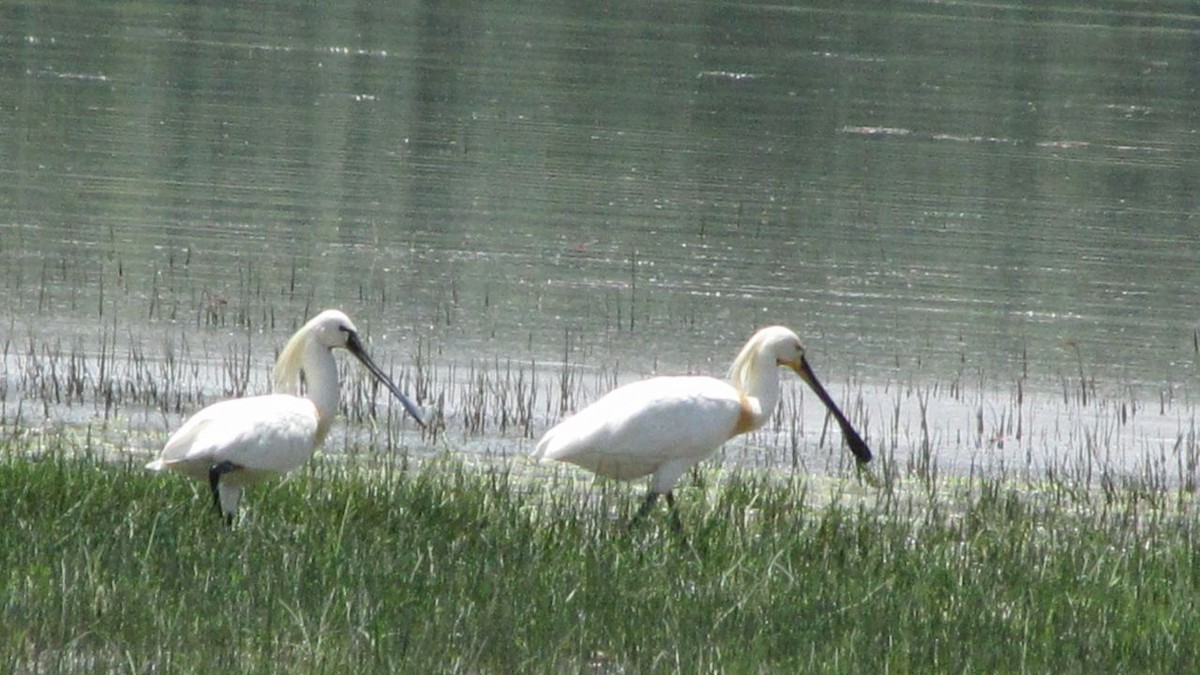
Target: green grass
(447, 567)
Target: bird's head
(334, 330)
(787, 350)
(769, 347)
(784, 347)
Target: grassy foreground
(105, 567)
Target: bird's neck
(760, 388)
(321, 384)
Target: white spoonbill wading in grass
(662, 426)
(241, 441)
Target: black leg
(651, 498)
(676, 524)
(214, 479)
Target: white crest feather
(289, 365)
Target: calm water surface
(929, 193)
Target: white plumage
(242, 441)
(659, 426)
(662, 426)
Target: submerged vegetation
(927, 426)
(388, 564)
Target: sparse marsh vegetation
(927, 425)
